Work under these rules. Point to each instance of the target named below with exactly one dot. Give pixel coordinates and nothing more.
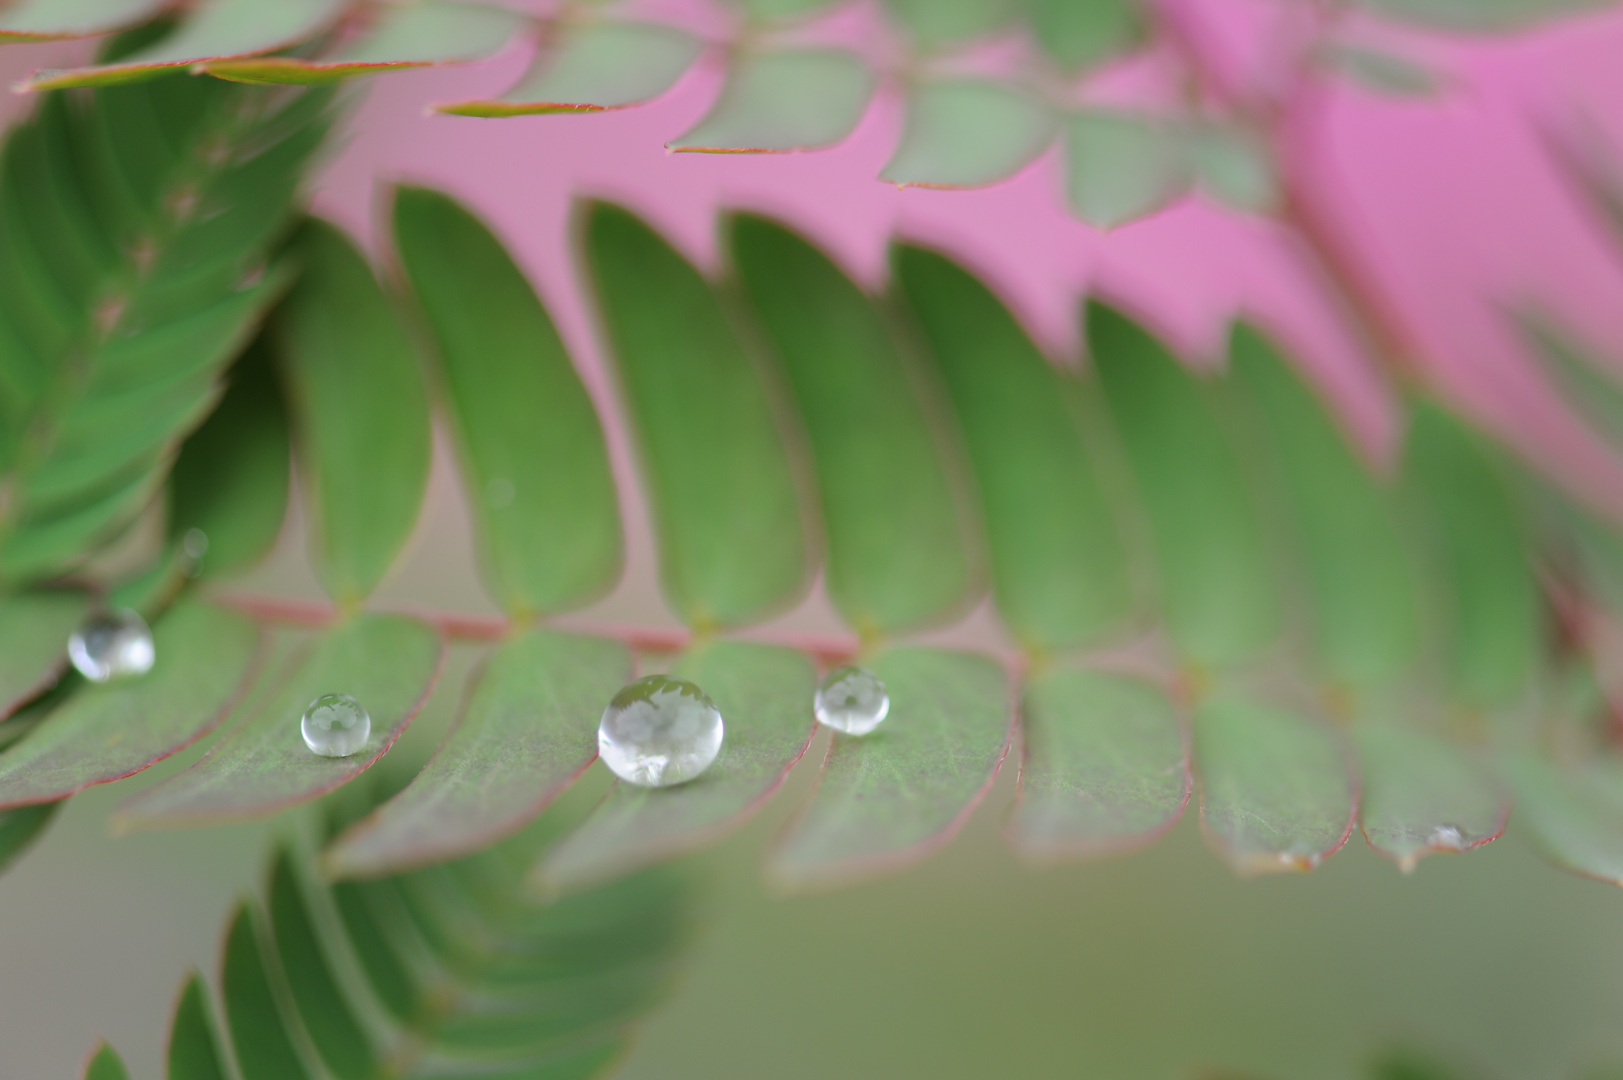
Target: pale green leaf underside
(892, 797)
(939, 22)
(898, 554)
(1121, 166)
(965, 133)
(764, 695)
(1105, 765)
(34, 629)
(1275, 790)
(717, 473)
(1423, 795)
(1574, 814)
(38, 19)
(1080, 34)
(792, 100)
(102, 733)
(549, 538)
(528, 730)
(599, 65)
(388, 663)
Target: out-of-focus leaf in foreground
(963, 133)
(791, 100)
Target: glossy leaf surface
(1423, 795)
(194, 1052)
(1122, 166)
(1105, 765)
(404, 36)
(892, 797)
(360, 413)
(1059, 569)
(231, 479)
(1275, 792)
(34, 629)
(106, 732)
(964, 133)
(218, 28)
(792, 100)
(1216, 576)
(717, 474)
(764, 695)
(1359, 564)
(532, 450)
(898, 553)
(386, 662)
(528, 730)
(596, 66)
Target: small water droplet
(852, 700)
(335, 725)
(659, 731)
(112, 645)
(1447, 838)
(499, 493)
(195, 544)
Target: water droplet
(499, 493)
(335, 725)
(195, 543)
(659, 731)
(852, 700)
(112, 645)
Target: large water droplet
(112, 645)
(852, 700)
(335, 725)
(659, 731)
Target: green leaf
(1494, 625)
(105, 1064)
(1573, 813)
(389, 663)
(764, 695)
(1275, 792)
(1422, 795)
(328, 1019)
(194, 1053)
(1218, 587)
(528, 730)
(34, 629)
(596, 66)
(800, 99)
(1358, 562)
(403, 36)
(1480, 15)
(1234, 166)
(938, 22)
(781, 9)
(104, 733)
(549, 537)
(230, 482)
(373, 936)
(40, 20)
(1059, 569)
(136, 227)
(968, 133)
(1122, 166)
(360, 413)
(895, 796)
(21, 828)
(259, 1030)
(898, 553)
(1081, 34)
(219, 28)
(718, 476)
(1105, 766)
(1381, 71)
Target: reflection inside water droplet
(852, 700)
(112, 645)
(659, 731)
(335, 725)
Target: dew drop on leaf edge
(335, 725)
(852, 700)
(112, 645)
(659, 731)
